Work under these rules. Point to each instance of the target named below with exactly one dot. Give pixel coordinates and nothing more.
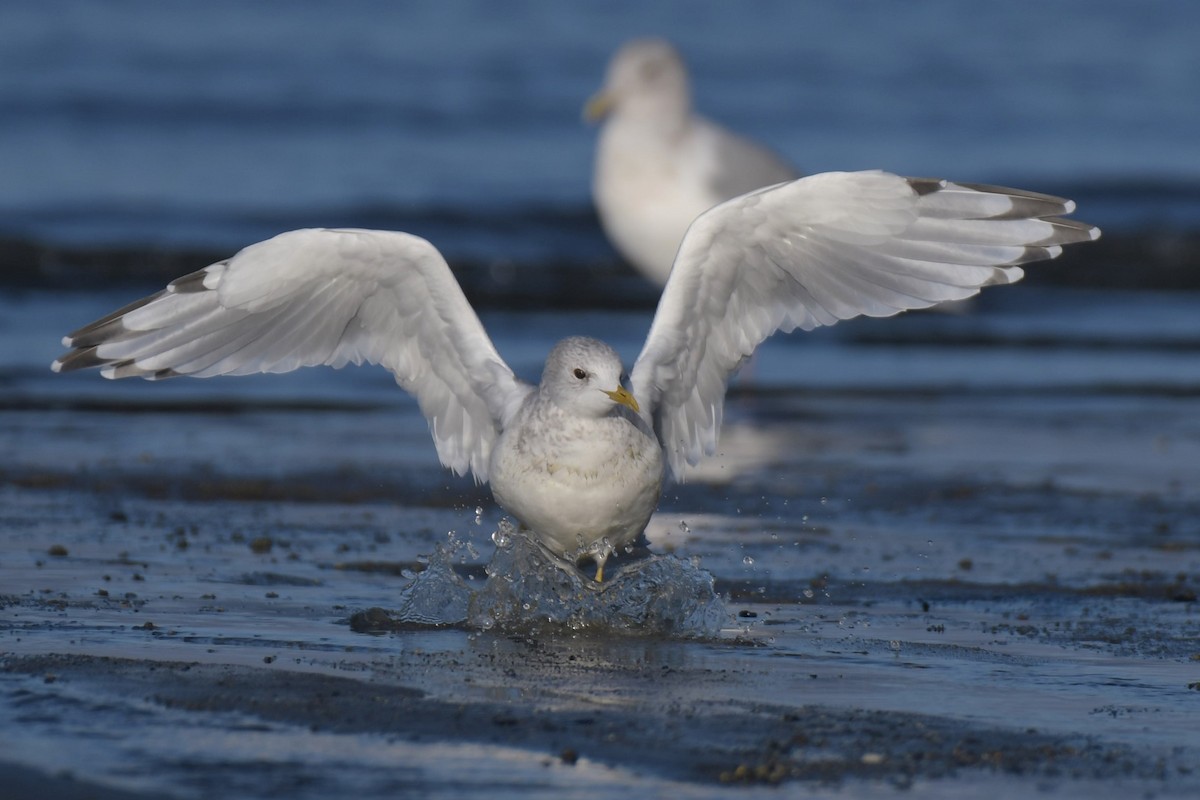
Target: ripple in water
(529, 589)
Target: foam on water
(530, 589)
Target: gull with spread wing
(580, 458)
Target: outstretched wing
(319, 296)
(815, 251)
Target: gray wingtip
(1069, 231)
(78, 358)
(924, 186)
(193, 281)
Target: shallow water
(218, 125)
(958, 555)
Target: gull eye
(579, 373)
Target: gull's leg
(601, 550)
(598, 551)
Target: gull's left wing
(815, 251)
(323, 296)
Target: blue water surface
(219, 123)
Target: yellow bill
(621, 395)
(598, 106)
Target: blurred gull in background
(658, 164)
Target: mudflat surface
(960, 557)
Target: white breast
(575, 482)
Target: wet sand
(960, 563)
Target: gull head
(584, 376)
(646, 77)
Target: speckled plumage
(587, 480)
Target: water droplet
(683, 527)
(501, 538)
(808, 593)
(748, 561)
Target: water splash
(437, 596)
(529, 589)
